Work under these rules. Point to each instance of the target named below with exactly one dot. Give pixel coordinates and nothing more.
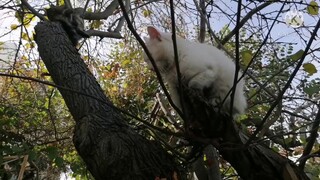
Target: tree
(135, 137)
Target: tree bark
(252, 162)
(109, 147)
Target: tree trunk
(253, 162)
(109, 147)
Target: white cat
(202, 67)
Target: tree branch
(27, 5)
(103, 34)
(102, 15)
(202, 29)
(312, 139)
(244, 20)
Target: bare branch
(202, 29)
(102, 15)
(237, 59)
(176, 58)
(68, 4)
(103, 34)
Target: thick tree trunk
(109, 147)
(253, 162)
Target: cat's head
(160, 46)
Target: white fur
(202, 66)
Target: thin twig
(176, 57)
(237, 69)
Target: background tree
(138, 128)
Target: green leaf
(309, 68)
(246, 57)
(32, 155)
(52, 152)
(59, 161)
(297, 55)
(16, 149)
(311, 90)
(313, 8)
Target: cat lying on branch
(203, 68)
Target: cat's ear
(154, 33)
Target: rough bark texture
(108, 146)
(253, 162)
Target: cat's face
(159, 45)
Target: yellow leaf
(24, 58)
(114, 89)
(1, 45)
(28, 18)
(309, 68)
(246, 57)
(30, 45)
(313, 8)
(25, 36)
(86, 57)
(61, 2)
(13, 26)
(96, 24)
(204, 157)
(146, 13)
